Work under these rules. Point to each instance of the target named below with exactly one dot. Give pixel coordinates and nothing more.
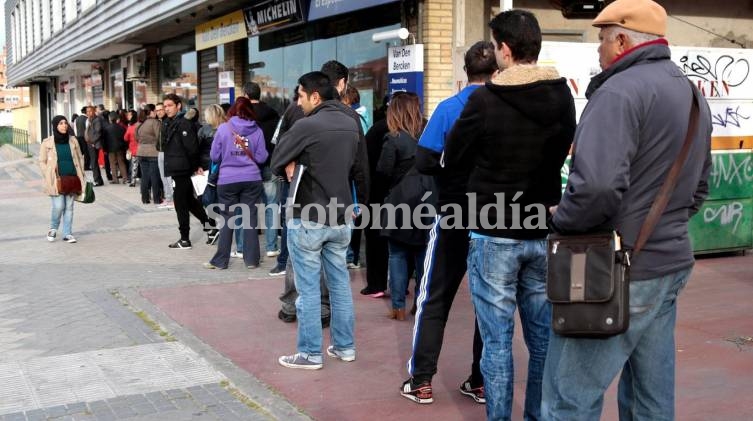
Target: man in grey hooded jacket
(628, 137)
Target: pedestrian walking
(60, 158)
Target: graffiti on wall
(718, 73)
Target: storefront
(278, 58)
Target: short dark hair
(520, 30)
(172, 97)
(317, 82)
(113, 117)
(480, 62)
(252, 90)
(335, 71)
(150, 107)
(83, 109)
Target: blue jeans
(271, 213)
(312, 247)
(62, 205)
(504, 273)
(578, 371)
(400, 255)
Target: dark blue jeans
(150, 179)
(401, 255)
(503, 273)
(248, 193)
(578, 371)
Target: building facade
(126, 53)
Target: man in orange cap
(628, 137)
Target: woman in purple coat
(239, 148)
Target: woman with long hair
(130, 137)
(214, 115)
(62, 164)
(407, 247)
(240, 149)
(147, 135)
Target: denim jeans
(504, 273)
(271, 212)
(62, 205)
(313, 247)
(578, 371)
(400, 256)
(167, 182)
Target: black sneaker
(287, 318)
(421, 393)
(277, 271)
(212, 236)
(475, 393)
(181, 244)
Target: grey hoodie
(628, 137)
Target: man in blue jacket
(629, 136)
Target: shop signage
(226, 85)
(220, 31)
(225, 79)
(270, 15)
(320, 9)
(406, 69)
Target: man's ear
(341, 86)
(315, 98)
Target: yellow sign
(222, 30)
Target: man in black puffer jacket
(181, 147)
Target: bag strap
(664, 194)
(243, 145)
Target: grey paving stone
(154, 397)
(225, 396)
(84, 417)
(213, 388)
(175, 393)
(205, 399)
(134, 400)
(184, 403)
(97, 405)
(164, 406)
(123, 411)
(144, 409)
(16, 416)
(36, 415)
(56, 411)
(76, 408)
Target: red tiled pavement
(714, 373)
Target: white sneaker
(165, 205)
(273, 253)
(69, 239)
(236, 254)
(51, 235)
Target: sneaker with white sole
(352, 265)
(300, 360)
(181, 244)
(167, 204)
(51, 234)
(237, 254)
(475, 393)
(344, 354)
(277, 271)
(69, 239)
(421, 393)
(273, 253)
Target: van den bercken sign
(272, 14)
(220, 31)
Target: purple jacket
(235, 166)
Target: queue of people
(506, 134)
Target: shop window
(178, 75)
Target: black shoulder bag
(588, 275)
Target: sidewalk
(189, 338)
(714, 348)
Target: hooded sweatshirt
(512, 139)
(235, 165)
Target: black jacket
(181, 147)
(512, 139)
(412, 190)
(327, 143)
(379, 186)
(266, 118)
(113, 135)
(397, 157)
(95, 133)
(205, 136)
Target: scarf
(60, 138)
